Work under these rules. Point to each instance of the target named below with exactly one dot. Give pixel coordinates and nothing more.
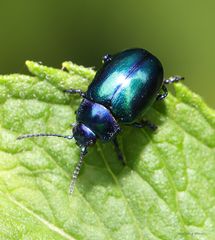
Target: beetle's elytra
(123, 89)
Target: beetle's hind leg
(74, 91)
(118, 151)
(144, 123)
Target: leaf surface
(166, 191)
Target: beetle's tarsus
(74, 91)
(144, 123)
(173, 79)
(118, 151)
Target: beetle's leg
(144, 123)
(118, 151)
(161, 96)
(106, 58)
(173, 79)
(73, 91)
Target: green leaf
(165, 192)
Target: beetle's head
(84, 137)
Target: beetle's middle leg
(163, 95)
(142, 124)
(172, 79)
(73, 91)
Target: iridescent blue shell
(127, 84)
(98, 119)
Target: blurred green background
(180, 33)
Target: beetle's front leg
(118, 151)
(73, 91)
(142, 124)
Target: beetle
(123, 89)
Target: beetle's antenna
(43, 135)
(77, 170)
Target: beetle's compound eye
(106, 58)
(83, 135)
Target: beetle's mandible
(123, 89)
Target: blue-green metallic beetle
(123, 89)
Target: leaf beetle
(123, 89)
